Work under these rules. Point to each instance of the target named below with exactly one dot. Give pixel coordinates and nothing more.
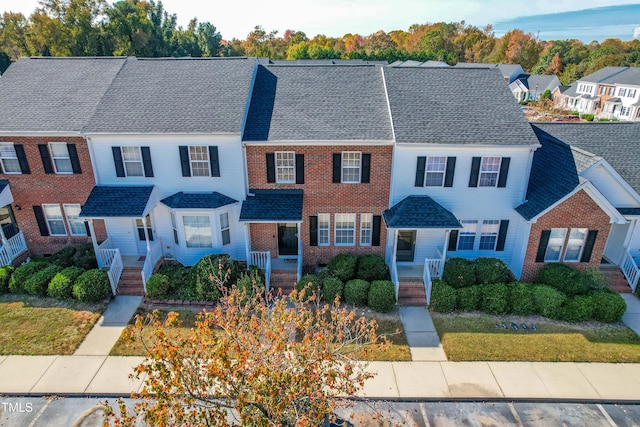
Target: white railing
(435, 266)
(630, 270)
(394, 275)
(18, 244)
(426, 279)
(6, 256)
(115, 270)
(151, 259)
(299, 271)
(263, 261)
(105, 254)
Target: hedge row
(369, 267)
(462, 273)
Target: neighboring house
(529, 87)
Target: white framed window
(55, 221)
(435, 170)
(625, 111)
(631, 93)
(132, 160)
(285, 167)
(174, 227)
(622, 91)
(199, 160)
(323, 229)
(575, 244)
(224, 228)
(145, 232)
(489, 170)
(60, 157)
(76, 225)
(197, 231)
(351, 162)
(9, 158)
(345, 229)
(467, 236)
(555, 245)
(366, 229)
(489, 235)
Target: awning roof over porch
(419, 212)
(629, 211)
(208, 200)
(272, 206)
(6, 198)
(117, 201)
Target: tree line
(145, 29)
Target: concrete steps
(411, 292)
(615, 279)
(131, 282)
(284, 280)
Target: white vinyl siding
(132, 160)
(351, 162)
(76, 225)
(575, 244)
(285, 167)
(345, 229)
(555, 245)
(60, 157)
(199, 160)
(489, 171)
(55, 221)
(9, 158)
(323, 229)
(435, 170)
(366, 229)
(197, 231)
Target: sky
(335, 18)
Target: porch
(12, 242)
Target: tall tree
(13, 30)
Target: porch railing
(426, 279)
(394, 275)
(630, 270)
(106, 252)
(115, 269)
(151, 259)
(435, 266)
(263, 261)
(12, 248)
(299, 270)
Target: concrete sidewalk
(631, 316)
(421, 334)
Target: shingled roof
(106, 201)
(272, 205)
(419, 212)
(206, 200)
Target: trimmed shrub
(5, 277)
(356, 292)
(342, 266)
(608, 306)
(250, 282)
(38, 283)
(588, 117)
(594, 279)
(468, 299)
(521, 299)
(310, 280)
(158, 287)
(178, 275)
(494, 298)
(372, 267)
(577, 309)
(22, 273)
(92, 286)
(212, 271)
(85, 257)
(382, 296)
(61, 286)
(548, 301)
(459, 273)
(443, 297)
(332, 287)
(491, 270)
(563, 277)
(64, 257)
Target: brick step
(615, 279)
(411, 292)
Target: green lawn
(473, 336)
(38, 326)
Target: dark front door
(287, 239)
(406, 246)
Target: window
(76, 225)
(323, 230)
(351, 167)
(622, 92)
(489, 170)
(9, 158)
(174, 227)
(132, 159)
(435, 171)
(224, 228)
(55, 222)
(345, 232)
(286, 167)
(467, 236)
(555, 245)
(575, 244)
(142, 228)
(625, 111)
(366, 228)
(60, 157)
(197, 231)
(631, 93)
(489, 235)
(199, 160)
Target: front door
(141, 229)
(406, 247)
(287, 239)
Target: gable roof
(537, 82)
(419, 212)
(604, 75)
(208, 200)
(176, 95)
(46, 94)
(106, 201)
(454, 106)
(272, 206)
(325, 103)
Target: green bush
(468, 299)
(178, 275)
(594, 279)
(588, 117)
(491, 270)
(382, 296)
(38, 283)
(577, 309)
(372, 267)
(85, 257)
(310, 280)
(22, 273)
(61, 286)
(563, 277)
(521, 299)
(459, 273)
(494, 298)
(158, 287)
(342, 266)
(548, 301)
(92, 286)
(356, 292)
(251, 282)
(5, 276)
(332, 287)
(211, 272)
(443, 297)
(64, 257)
(608, 306)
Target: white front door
(140, 230)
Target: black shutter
(366, 168)
(146, 162)
(337, 167)
(475, 171)
(42, 222)
(75, 160)
(299, 168)
(184, 160)
(502, 234)
(271, 167)
(313, 231)
(588, 246)
(375, 239)
(453, 240)
(214, 160)
(542, 247)
(46, 158)
(22, 159)
(451, 169)
(117, 160)
(86, 227)
(504, 171)
(420, 168)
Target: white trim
(335, 229)
(191, 161)
(336, 142)
(41, 133)
(328, 243)
(53, 158)
(64, 209)
(281, 221)
(602, 162)
(342, 167)
(275, 160)
(62, 219)
(386, 97)
(370, 228)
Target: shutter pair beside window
(502, 237)
(42, 222)
(22, 159)
(502, 175)
(375, 232)
(146, 162)
(271, 168)
(586, 252)
(365, 168)
(185, 161)
(422, 166)
(47, 164)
